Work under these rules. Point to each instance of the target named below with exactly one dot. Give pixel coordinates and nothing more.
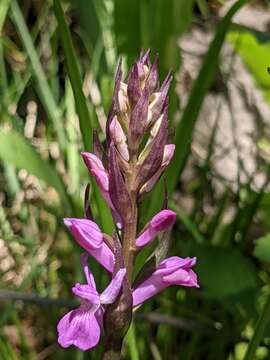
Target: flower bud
(138, 117)
(133, 86)
(119, 138)
(153, 160)
(117, 188)
(167, 156)
(152, 80)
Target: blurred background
(56, 80)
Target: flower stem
(130, 226)
(112, 349)
(129, 236)
(259, 330)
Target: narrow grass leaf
(132, 344)
(4, 6)
(186, 221)
(42, 84)
(75, 77)
(259, 332)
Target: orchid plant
(134, 157)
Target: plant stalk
(112, 349)
(129, 237)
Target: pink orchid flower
(82, 326)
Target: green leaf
(3, 12)
(75, 77)
(248, 44)
(224, 272)
(262, 248)
(14, 149)
(200, 87)
(132, 344)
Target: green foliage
(262, 248)
(248, 43)
(224, 272)
(75, 78)
(17, 151)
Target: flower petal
(90, 238)
(110, 294)
(80, 328)
(167, 156)
(182, 277)
(86, 232)
(87, 272)
(150, 287)
(96, 168)
(162, 221)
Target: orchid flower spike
(136, 152)
(82, 326)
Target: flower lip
(89, 294)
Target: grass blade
(131, 337)
(43, 86)
(189, 225)
(4, 6)
(200, 87)
(75, 77)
